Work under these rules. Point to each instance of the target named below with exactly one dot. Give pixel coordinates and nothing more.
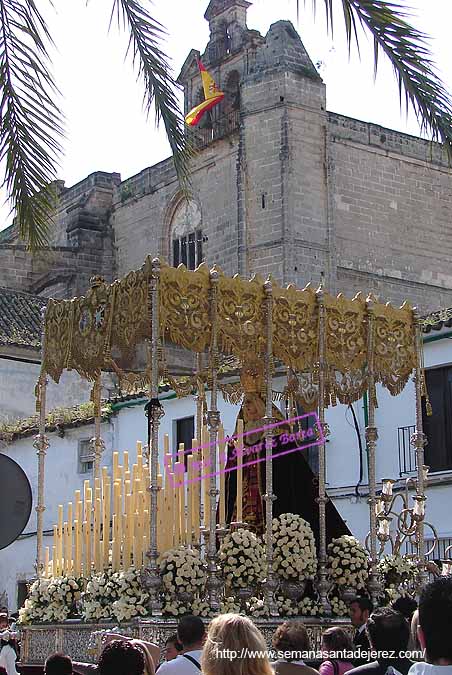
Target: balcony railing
(407, 453)
(220, 128)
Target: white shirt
(429, 669)
(180, 665)
(8, 660)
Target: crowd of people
(404, 639)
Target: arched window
(186, 235)
(232, 92)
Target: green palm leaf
(407, 49)
(30, 121)
(146, 35)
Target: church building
(280, 185)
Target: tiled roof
(57, 419)
(437, 320)
(20, 318)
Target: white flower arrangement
(338, 606)
(241, 559)
(310, 607)
(348, 562)
(182, 571)
(132, 598)
(286, 606)
(257, 608)
(201, 608)
(101, 592)
(230, 606)
(294, 554)
(175, 607)
(401, 576)
(51, 600)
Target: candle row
(110, 525)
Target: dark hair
(120, 657)
(388, 630)
(4, 617)
(175, 641)
(406, 606)
(58, 664)
(337, 640)
(291, 636)
(435, 618)
(190, 630)
(363, 603)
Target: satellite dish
(15, 500)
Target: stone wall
(392, 198)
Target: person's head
(336, 640)
(191, 632)
(121, 657)
(435, 620)
(253, 408)
(359, 610)
(388, 630)
(406, 606)
(58, 664)
(291, 636)
(3, 620)
(228, 634)
(172, 648)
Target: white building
(68, 465)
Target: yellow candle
(239, 471)
(160, 514)
(139, 466)
(114, 545)
(181, 454)
(139, 448)
(196, 490)
(138, 542)
(115, 465)
(189, 500)
(176, 507)
(54, 561)
(221, 468)
(60, 539)
(169, 517)
(128, 534)
(166, 448)
(77, 549)
(65, 549)
(125, 460)
(205, 471)
(46, 561)
(106, 522)
(96, 535)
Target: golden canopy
(82, 333)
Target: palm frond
(146, 35)
(30, 121)
(407, 50)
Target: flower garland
(182, 571)
(51, 600)
(257, 608)
(310, 607)
(348, 562)
(241, 558)
(230, 606)
(294, 554)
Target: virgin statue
(294, 483)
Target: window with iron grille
(438, 426)
(85, 456)
(187, 249)
(186, 235)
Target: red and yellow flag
(212, 96)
